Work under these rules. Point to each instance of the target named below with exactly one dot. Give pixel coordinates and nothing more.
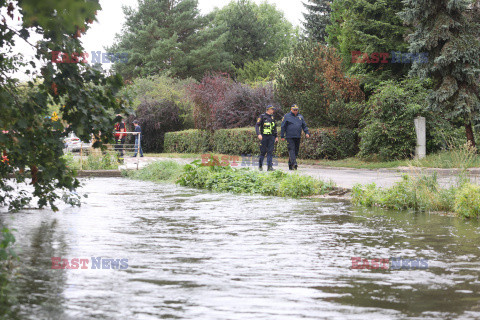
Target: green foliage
(159, 171)
(467, 201)
(368, 26)
(312, 77)
(255, 71)
(170, 37)
(188, 141)
(94, 161)
(31, 138)
(236, 141)
(388, 131)
(421, 193)
(155, 88)
(325, 143)
(448, 30)
(297, 186)
(317, 18)
(254, 31)
(463, 156)
(7, 255)
(225, 179)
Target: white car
(73, 143)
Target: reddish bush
(221, 103)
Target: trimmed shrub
(236, 141)
(325, 143)
(188, 141)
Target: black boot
(270, 168)
(290, 167)
(260, 168)
(295, 167)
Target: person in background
(120, 136)
(292, 125)
(138, 139)
(267, 134)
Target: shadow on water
(35, 284)
(199, 255)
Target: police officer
(267, 134)
(292, 125)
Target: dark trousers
(266, 147)
(293, 145)
(119, 146)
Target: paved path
(343, 177)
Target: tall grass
(463, 157)
(422, 193)
(159, 171)
(96, 160)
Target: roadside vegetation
(94, 161)
(422, 193)
(215, 177)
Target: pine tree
(449, 32)
(169, 37)
(317, 19)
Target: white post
(420, 129)
(139, 147)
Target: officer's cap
(270, 107)
(294, 107)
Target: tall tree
(254, 31)
(313, 77)
(30, 137)
(449, 31)
(317, 19)
(369, 26)
(169, 37)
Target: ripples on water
(200, 255)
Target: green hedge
(324, 143)
(187, 141)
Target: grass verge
(226, 179)
(422, 193)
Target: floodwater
(192, 254)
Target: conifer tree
(169, 37)
(449, 32)
(317, 19)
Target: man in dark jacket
(292, 125)
(138, 139)
(267, 134)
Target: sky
(111, 18)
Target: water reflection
(198, 255)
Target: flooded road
(200, 255)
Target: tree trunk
(470, 136)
